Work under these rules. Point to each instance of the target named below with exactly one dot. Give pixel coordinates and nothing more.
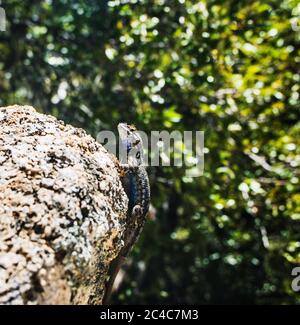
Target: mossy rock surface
(62, 211)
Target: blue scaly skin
(136, 184)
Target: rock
(62, 211)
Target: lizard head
(131, 145)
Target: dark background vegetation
(230, 68)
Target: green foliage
(230, 68)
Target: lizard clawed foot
(137, 211)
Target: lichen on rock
(62, 211)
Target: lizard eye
(138, 155)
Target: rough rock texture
(62, 211)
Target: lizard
(136, 184)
